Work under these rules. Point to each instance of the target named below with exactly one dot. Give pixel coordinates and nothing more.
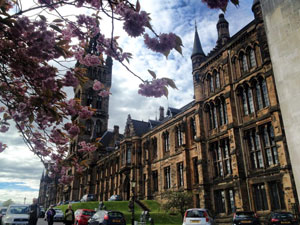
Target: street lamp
(133, 196)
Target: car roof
(17, 205)
(196, 209)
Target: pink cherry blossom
(97, 86)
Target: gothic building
(227, 146)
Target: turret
(198, 55)
(223, 30)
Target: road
(41, 221)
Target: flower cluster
(164, 43)
(135, 21)
(155, 88)
(86, 147)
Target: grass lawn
(160, 216)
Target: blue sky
(20, 170)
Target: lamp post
(133, 196)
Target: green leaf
(178, 49)
(54, 27)
(166, 92)
(224, 8)
(62, 42)
(43, 17)
(153, 74)
(138, 6)
(166, 53)
(178, 41)
(170, 82)
(58, 21)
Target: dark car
(42, 212)
(276, 218)
(83, 215)
(88, 198)
(2, 213)
(104, 217)
(115, 198)
(245, 217)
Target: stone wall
(282, 20)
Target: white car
(197, 216)
(16, 215)
(59, 215)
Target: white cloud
(19, 164)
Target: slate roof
(107, 136)
(197, 49)
(140, 127)
(154, 123)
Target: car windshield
(245, 214)
(88, 213)
(18, 210)
(283, 216)
(58, 210)
(195, 213)
(115, 214)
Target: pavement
(41, 221)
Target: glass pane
(259, 96)
(260, 159)
(244, 100)
(217, 80)
(245, 65)
(269, 157)
(252, 59)
(265, 93)
(250, 98)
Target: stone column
(282, 21)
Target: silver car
(16, 215)
(59, 215)
(198, 216)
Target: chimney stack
(161, 113)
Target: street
(41, 221)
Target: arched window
(98, 127)
(215, 119)
(193, 128)
(252, 58)
(154, 147)
(166, 142)
(89, 97)
(247, 100)
(179, 135)
(262, 96)
(259, 99)
(217, 76)
(250, 100)
(265, 93)
(222, 110)
(244, 64)
(211, 84)
(88, 126)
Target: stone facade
(227, 146)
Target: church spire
(197, 49)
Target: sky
(21, 170)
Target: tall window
(260, 197)
(166, 141)
(262, 147)
(179, 135)
(99, 102)
(98, 127)
(89, 126)
(180, 174)
(217, 77)
(262, 97)
(231, 201)
(167, 174)
(222, 111)
(89, 97)
(211, 84)
(220, 201)
(247, 100)
(244, 63)
(221, 157)
(128, 154)
(252, 58)
(154, 147)
(196, 173)
(193, 128)
(276, 195)
(155, 180)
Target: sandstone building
(227, 146)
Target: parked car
(59, 215)
(88, 198)
(16, 215)
(276, 218)
(83, 215)
(104, 217)
(198, 216)
(2, 213)
(245, 217)
(115, 198)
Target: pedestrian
(34, 212)
(69, 215)
(50, 215)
